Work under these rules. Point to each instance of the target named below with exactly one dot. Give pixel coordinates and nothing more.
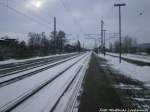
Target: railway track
(5, 80)
(66, 89)
(137, 62)
(15, 104)
(73, 102)
(29, 61)
(23, 66)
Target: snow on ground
(141, 58)
(141, 73)
(11, 93)
(69, 100)
(9, 61)
(50, 94)
(128, 87)
(2, 79)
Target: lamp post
(120, 5)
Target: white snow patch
(124, 86)
(128, 69)
(141, 99)
(135, 57)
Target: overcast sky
(75, 17)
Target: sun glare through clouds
(37, 3)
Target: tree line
(129, 45)
(38, 45)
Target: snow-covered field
(46, 97)
(141, 73)
(141, 58)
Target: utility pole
(7, 3)
(102, 23)
(120, 5)
(83, 45)
(95, 44)
(95, 37)
(104, 42)
(55, 43)
(77, 37)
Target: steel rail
(37, 89)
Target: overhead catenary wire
(51, 17)
(39, 17)
(107, 14)
(74, 19)
(26, 16)
(38, 20)
(43, 23)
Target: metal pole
(120, 34)
(102, 35)
(120, 50)
(55, 46)
(104, 43)
(83, 44)
(99, 46)
(95, 44)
